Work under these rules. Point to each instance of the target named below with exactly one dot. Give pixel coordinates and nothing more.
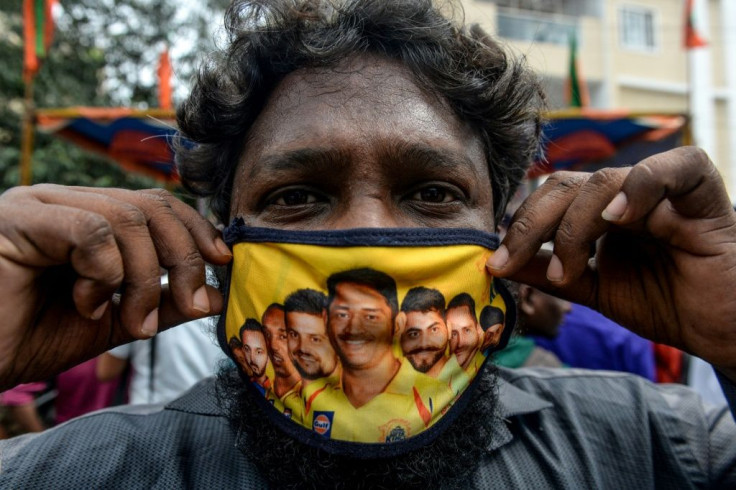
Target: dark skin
(366, 148)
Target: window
(637, 28)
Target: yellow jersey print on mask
(416, 397)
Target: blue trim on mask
(356, 237)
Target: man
(310, 350)
(376, 114)
(491, 321)
(236, 346)
(425, 340)
(286, 377)
(540, 314)
(466, 336)
(361, 309)
(165, 367)
(255, 353)
(308, 344)
(424, 337)
(362, 305)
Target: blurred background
(625, 79)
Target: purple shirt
(589, 340)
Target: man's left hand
(664, 237)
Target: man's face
(360, 145)
(240, 357)
(274, 328)
(464, 337)
(309, 346)
(424, 339)
(360, 325)
(255, 353)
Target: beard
(424, 365)
(445, 462)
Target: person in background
(589, 340)
(78, 391)
(18, 414)
(540, 314)
(165, 366)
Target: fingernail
(97, 314)
(200, 300)
(222, 247)
(150, 324)
(616, 208)
(499, 259)
(555, 272)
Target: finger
(65, 235)
(179, 234)
(141, 283)
(207, 238)
(175, 248)
(582, 225)
(535, 222)
(685, 176)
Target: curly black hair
(268, 39)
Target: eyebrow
(427, 156)
(307, 160)
(314, 160)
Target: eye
(435, 194)
(295, 197)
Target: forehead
(273, 318)
(461, 313)
(349, 291)
(305, 322)
(252, 337)
(423, 318)
(362, 105)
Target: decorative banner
(366, 336)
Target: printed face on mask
(465, 334)
(274, 329)
(309, 346)
(424, 340)
(255, 353)
(360, 324)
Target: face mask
(363, 340)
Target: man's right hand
(66, 251)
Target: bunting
(38, 32)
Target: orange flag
(692, 38)
(38, 32)
(164, 80)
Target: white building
(631, 54)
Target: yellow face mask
(365, 336)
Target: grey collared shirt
(562, 429)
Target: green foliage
(105, 53)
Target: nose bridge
(366, 209)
